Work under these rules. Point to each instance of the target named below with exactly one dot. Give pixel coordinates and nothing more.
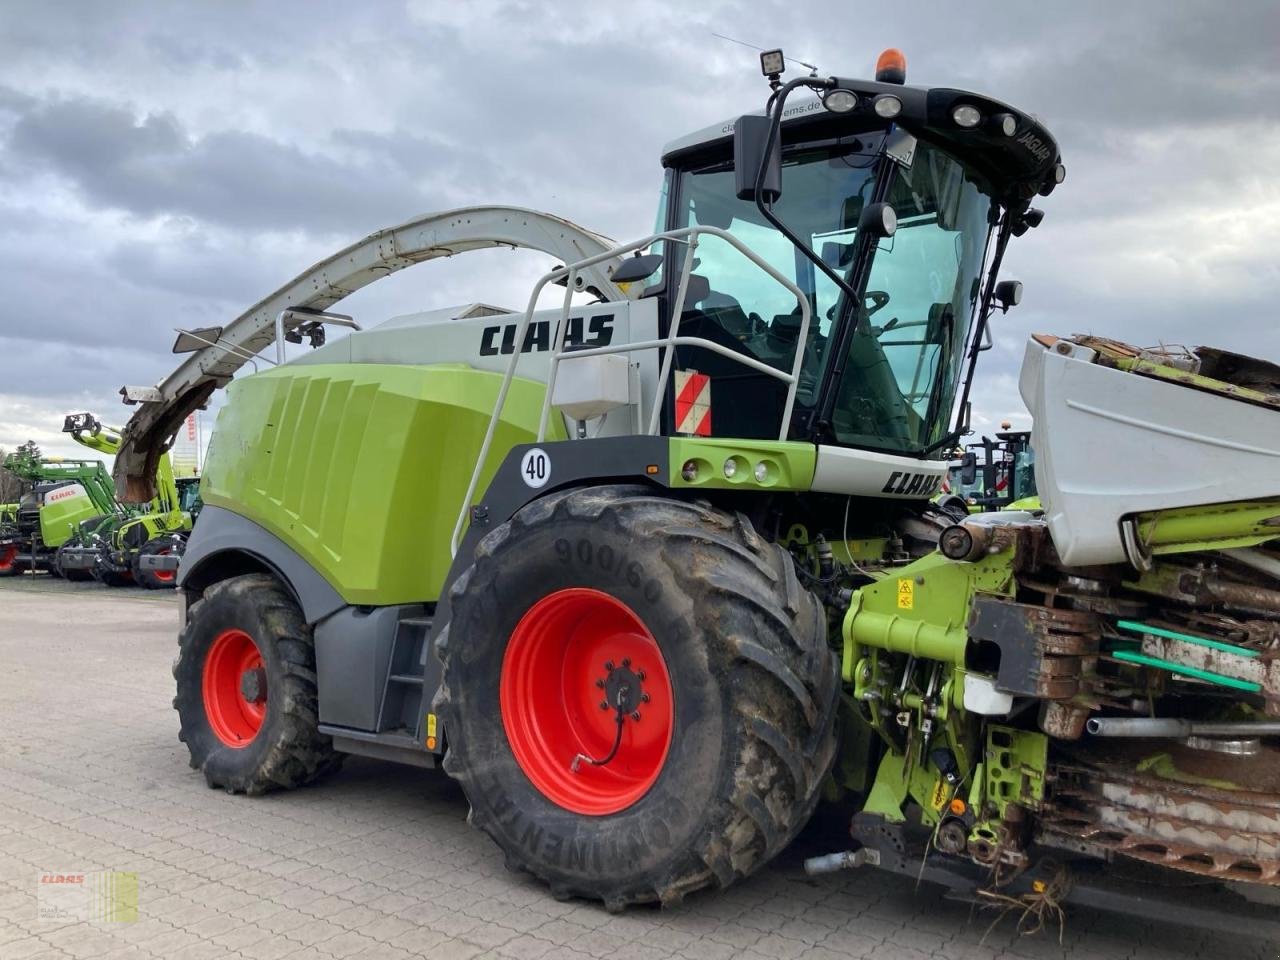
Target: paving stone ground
(377, 862)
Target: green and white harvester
(650, 574)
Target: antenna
(813, 69)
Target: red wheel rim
(7, 556)
(234, 718)
(556, 673)
(164, 576)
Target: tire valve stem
(622, 697)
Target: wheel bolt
(608, 665)
(600, 684)
(604, 704)
(640, 676)
(644, 698)
(635, 715)
(626, 662)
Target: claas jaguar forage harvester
(650, 573)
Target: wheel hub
(234, 688)
(622, 689)
(586, 701)
(253, 685)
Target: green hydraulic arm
(91, 474)
(88, 431)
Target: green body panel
(362, 468)
(789, 464)
(921, 609)
(58, 520)
(155, 524)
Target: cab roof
(1019, 164)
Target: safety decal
(693, 403)
(906, 594)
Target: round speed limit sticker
(535, 468)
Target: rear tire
(9, 566)
(752, 683)
(245, 625)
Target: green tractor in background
(62, 498)
(141, 547)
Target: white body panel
(1110, 444)
(590, 387)
(864, 473)
(486, 342)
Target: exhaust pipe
(1171, 729)
(844, 860)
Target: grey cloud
(150, 166)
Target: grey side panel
(353, 652)
(220, 531)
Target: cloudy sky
(166, 164)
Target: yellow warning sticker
(940, 794)
(906, 594)
(431, 725)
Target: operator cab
(899, 207)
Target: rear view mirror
(637, 268)
(969, 468)
(189, 341)
(750, 137)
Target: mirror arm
(777, 102)
(985, 309)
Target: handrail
(568, 273)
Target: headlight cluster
(839, 100)
(736, 469)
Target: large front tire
(742, 663)
(246, 698)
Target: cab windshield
(902, 364)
